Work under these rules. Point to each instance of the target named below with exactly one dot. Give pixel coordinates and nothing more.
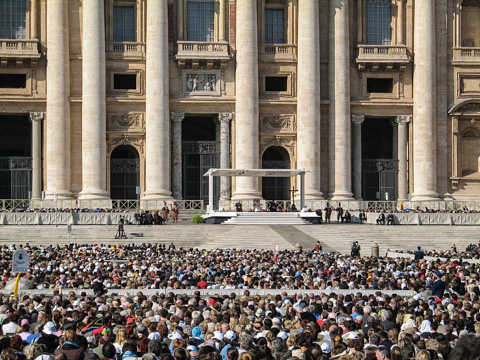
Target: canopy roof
(256, 172)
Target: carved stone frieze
(278, 123)
(287, 141)
(137, 141)
(125, 121)
(470, 108)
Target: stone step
(266, 218)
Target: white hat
(326, 348)
(49, 328)
(230, 335)
(283, 335)
(175, 336)
(217, 335)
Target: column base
(61, 194)
(342, 196)
(93, 195)
(246, 195)
(425, 196)
(163, 195)
(311, 195)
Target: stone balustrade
(465, 55)
(278, 52)
(202, 50)
(19, 48)
(383, 53)
(126, 50)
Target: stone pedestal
(357, 121)
(343, 178)
(246, 105)
(58, 103)
(225, 119)
(157, 129)
(424, 104)
(94, 151)
(177, 119)
(308, 98)
(36, 119)
(402, 121)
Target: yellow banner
(15, 291)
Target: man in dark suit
(419, 253)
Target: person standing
(339, 213)
(419, 255)
(165, 212)
(175, 212)
(328, 213)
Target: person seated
(390, 219)
(347, 217)
(319, 214)
(381, 218)
(238, 207)
(363, 217)
(273, 206)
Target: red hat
(211, 302)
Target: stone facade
(314, 93)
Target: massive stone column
(331, 96)
(357, 121)
(157, 179)
(424, 104)
(402, 122)
(225, 119)
(177, 119)
(94, 151)
(343, 177)
(58, 106)
(308, 98)
(36, 119)
(246, 105)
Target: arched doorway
(276, 188)
(15, 156)
(124, 173)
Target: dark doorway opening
(124, 173)
(200, 152)
(379, 167)
(276, 188)
(15, 156)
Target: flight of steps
(266, 218)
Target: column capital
(177, 116)
(225, 117)
(403, 119)
(358, 119)
(36, 116)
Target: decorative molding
(125, 121)
(358, 119)
(474, 3)
(225, 117)
(469, 108)
(471, 132)
(137, 141)
(278, 123)
(403, 119)
(177, 116)
(287, 141)
(36, 116)
(201, 82)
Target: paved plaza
(334, 237)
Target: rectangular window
(13, 19)
(124, 82)
(124, 23)
(379, 22)
(276, 83)
(274, 26)
(200, 21)
(375, 85)
(13, 81)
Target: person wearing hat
(48, 337)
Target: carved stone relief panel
(278, 123)
(137, 141)
(288, 142)
(131, 121)
(469, 85)
(201, 83)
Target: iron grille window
(13, 19)
(124, 23)
(379, 22)
(200, 21)
(274, 26)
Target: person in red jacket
(202, 284)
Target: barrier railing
(19, 48)
(466, 54)
(61, 205)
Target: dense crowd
(276, 327)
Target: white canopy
(255, 173)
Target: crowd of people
(439, 322)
